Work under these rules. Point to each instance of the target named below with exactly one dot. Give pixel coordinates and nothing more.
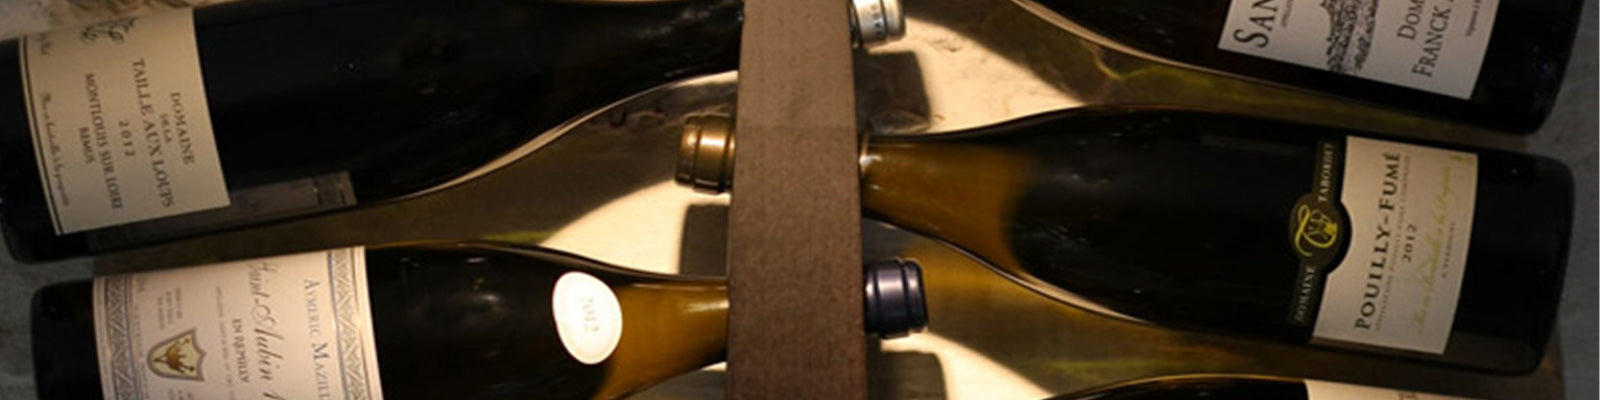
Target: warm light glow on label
(121, 126)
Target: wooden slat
(794, 249)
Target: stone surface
(1569, 136)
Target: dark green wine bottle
(1238, 386)
(1496, 64)
(410, 321)
(112, 136)
(1239, 226)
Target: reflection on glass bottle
(1233, 225)
(410, 321)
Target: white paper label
(120, 124)
(1321, 390)
(289, 327)
(1410, 210)
(1431, 45)
(588, 317)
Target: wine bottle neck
(876, 22)
(669, 328)
(962, 193)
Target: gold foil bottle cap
(705, 153)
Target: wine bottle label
(588, 317)
(121, 129)
(289, 327)
(1432, 45)
(1322, 390)
(1318, 230)
(1410, 220)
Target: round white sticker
(588, 317)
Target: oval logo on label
(1316, 230)
(588, 317)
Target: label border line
(33, 122)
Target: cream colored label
(1321, 390)
(588, 317)
(289, 327)
(120, 124)
(1410, 210)
(1432, 45)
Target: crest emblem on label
(178, 358)
(1350, 26)
(1314, 230)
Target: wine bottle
(1240, 226)
(1237, 386)
(412, 321)
(1496, 64)
(147, 129)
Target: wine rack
(603, 188)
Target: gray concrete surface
(1569, 135)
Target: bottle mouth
(877, 22)
(894, 305)
(705, 153)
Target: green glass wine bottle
(1233, 225)
(437, 320)
(1497, 64)
(175, 124)
(1240, 386)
